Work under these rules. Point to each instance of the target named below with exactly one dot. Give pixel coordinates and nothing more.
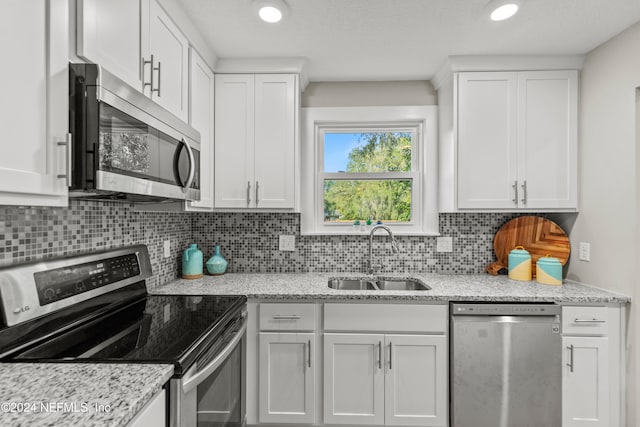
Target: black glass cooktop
(153, 329)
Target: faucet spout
(394, 245)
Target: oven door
(211, 393)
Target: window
(369, 163)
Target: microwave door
(125, 144)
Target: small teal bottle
(192, 262)
(217, 265)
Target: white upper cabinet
(170, 64)
(255, 137)
(517, 140)
(137, 41)
(34, 35)
(487, 154)
(109, 35)
(201, 100)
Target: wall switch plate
(444, 244)
(287, 243)
(166, 249)
(585, 251)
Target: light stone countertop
(444, 288)
(76, 394)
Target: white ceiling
(360, 40)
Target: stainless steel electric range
(94, 308)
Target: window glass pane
(367, 152)
(385, 200)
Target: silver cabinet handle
(309, 354)
(68, 142)
(379, 354)
(286, 317)
(390, 355)
(248, 193)
(515, 189)
(570, 364)
(144, 63)
(524, 193)
(594, 320)
(157, 90)
(257, 187)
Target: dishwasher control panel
(509, 309)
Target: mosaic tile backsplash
(249, 241)
(34, 233)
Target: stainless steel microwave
(124, 146)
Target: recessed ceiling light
(499, 10)
(270, 11)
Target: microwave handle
(200, 376)
(192, 166)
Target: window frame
(413, 175)
(420, 120)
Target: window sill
(366, 233)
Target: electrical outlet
(585, 251)
(444, 244)
(167, 313)
(287, 243)
(167, 248)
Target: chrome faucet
(394, 246)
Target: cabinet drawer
(287, 317)
(585, 321)
(386, 318)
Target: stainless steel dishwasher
(506, 365)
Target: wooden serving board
(539, 236)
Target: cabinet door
(353, 379)
(109, 35)
(287, 379)
(201, 102)
(416, 380)
(585, 382)
(153, 413)
(234, 131)
(34, 35)
(170, 49)
(547, 139)
(486, 135)
(275, 114)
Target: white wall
(609, 185)
(355, 94)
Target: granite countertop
(65, 394)
(444, 288)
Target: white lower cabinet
(373, 379)
(374, 375)
(353, 379)
(592, 366)
(585, 382)
(286, 377)
(153, 414)
(415, 382)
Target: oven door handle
(198, 377)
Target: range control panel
(64, 282)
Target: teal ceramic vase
(217, 264)
(192, 262)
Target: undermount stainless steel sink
(377, 284)
(390, 284)
(352, 284)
